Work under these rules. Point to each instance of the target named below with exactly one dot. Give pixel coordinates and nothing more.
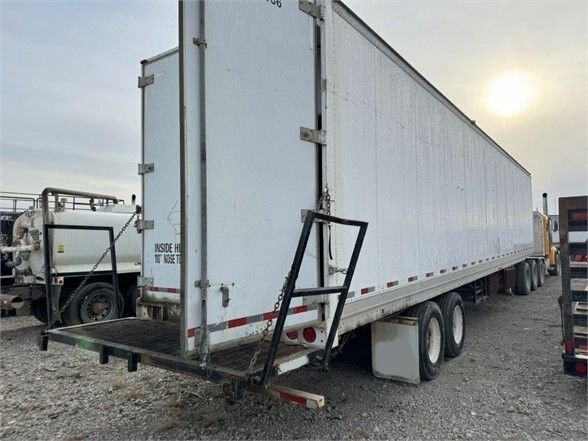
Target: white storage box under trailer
(273, 112)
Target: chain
(91, 272)
(267, 327)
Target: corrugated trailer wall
(439, 195)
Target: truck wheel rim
(433, 340)
(457, 324)
(96, 308)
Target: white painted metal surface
(254, 79)
(76, 251)
(260, 174)
(161, 187)
(445, 204)
(395, 349)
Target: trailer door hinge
(144, 282)
(145, 81)
(143, 225)
(314, 136)
(202, 284)
(200, 42)
(312, 9)
(146, 168)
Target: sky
(70, 106)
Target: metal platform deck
(157, 343)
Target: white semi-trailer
(273, 113)
(57, 246)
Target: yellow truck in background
(546, 253)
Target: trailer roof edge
(161, 55)
(342, 9)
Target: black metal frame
(236, 380)
(47, 260)
(291, 292)
(569, 296)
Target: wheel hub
(457, 324)
(434, 340)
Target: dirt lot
(508, 384)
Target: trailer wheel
(95, 302)
(453, 312)
(541, 271)
(431, 338)
(534, 274)
(523, 279)
(556, 270)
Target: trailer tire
(453, 312)
(541, 271)
(556, 270)
(523, 279)
(534, 274)
(431, 338)
(95, 302)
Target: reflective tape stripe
(241, 321)
(168, 290)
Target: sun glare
(510, 94)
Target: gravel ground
(508, 384)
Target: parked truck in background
(54, 246)
(545, 259)
(12, 205)
(408, 208)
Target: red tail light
(578, 216)
(292, 335)
(581, 368)
(309, 335)
(569, 346)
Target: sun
(510, 94)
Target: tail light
(569, 347)
(581, 368)
(292, 335)
(309, 335)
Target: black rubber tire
(447, 303)
(541, 271)
(78, 311)
(556, 270)
(523, 279)
(131, 297)
(426, 313)
(534, 274)
(39, 310)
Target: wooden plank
(295, 396)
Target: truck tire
(541, 270)
(431, 338)
(453, 312)
(523, 279)
(93, 303)
(534, 274)
(556, 270)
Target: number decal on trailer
(277, 3)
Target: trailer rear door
(159, 171)
(248, 174)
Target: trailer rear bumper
(157, 343)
